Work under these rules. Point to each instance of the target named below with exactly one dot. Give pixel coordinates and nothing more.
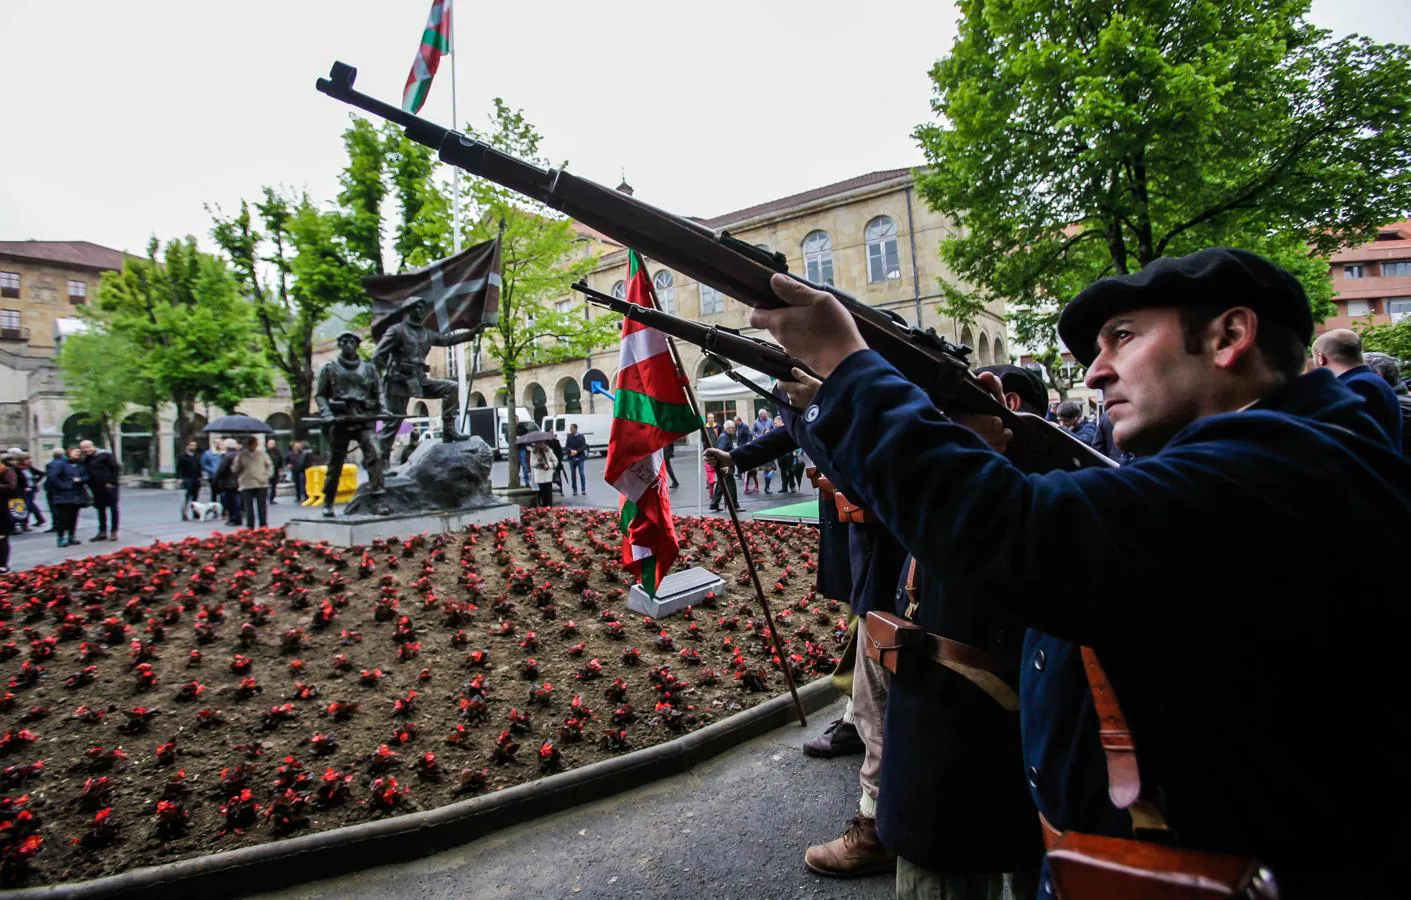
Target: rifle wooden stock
(737, 270)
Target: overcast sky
(122, 119)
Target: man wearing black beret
(1265, 720)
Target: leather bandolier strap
(847, 510)
(976, 665)
(1124, 779)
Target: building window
(563, 306)
(666, 291)
(451, 362)
(1357, 308)
(9, 284)
(1356, 271)
(883, 263)
(818, 257)
(712, 301)
(1399, 308)
(1396, 267)
(78, 291)
(619, 291)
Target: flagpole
(462, 388)
(734, 518)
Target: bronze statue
(349, 398)
(401, 357)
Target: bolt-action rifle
(735, 268)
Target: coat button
(811, 414)
(1040, 658)
(1033, 774)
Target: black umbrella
(237, 424)
(535, 437)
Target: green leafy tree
(190, 330)
(424, 228)
(1082, 138)
(541, 256)
(103, 378)
(1392, 339)
(363, 187)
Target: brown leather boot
(857, 852)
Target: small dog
(201, 511)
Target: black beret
(1024, 382)
(1218, 277)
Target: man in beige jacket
(255, 470)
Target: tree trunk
(511, 437)
(154, 454)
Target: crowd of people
(731, 434)
(1148, 679)
(74, 479)
(243, 478)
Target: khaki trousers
(869, 707)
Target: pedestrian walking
(557, 447)
(575, 446)
(667, 453)
(9, 490)
(276, 462)
(298, 463)
(254, 471)
(188, 469)
(228, 482)
(210, 462)
(544, 461)
(103, 474)
(29, 478)
(65, 479)
(723, 482)
(58, 453)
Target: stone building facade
(870, 236)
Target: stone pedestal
(676, 592)
(348, 531)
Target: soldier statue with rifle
(349, 398)
(401, 357)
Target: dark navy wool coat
(1261, 675)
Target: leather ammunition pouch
(1088, 865)
(900, 647)
(851, 512)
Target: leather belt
(883, 633)
(1051, 834)
(820, 481)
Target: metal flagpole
(462, 389)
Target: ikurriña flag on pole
(649, 412)
(435, 43)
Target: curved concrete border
(284, 863)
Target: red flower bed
(183, 698)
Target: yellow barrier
(315, 476)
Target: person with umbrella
(543, 461)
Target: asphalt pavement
(149, 515)
(733, 827)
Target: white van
(595, 427)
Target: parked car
(595, 427)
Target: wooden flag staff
(735, 519)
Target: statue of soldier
(401, 357)
(349, 399)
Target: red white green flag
(435, 43)
(649, 412)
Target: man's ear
(1231, 336)
(1012, 401)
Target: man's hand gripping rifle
(736, 269)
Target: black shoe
(715, 509)
(675, 485)
(328, 512)
(100, 536)
(72, 541)
(838, 739)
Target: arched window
(1000, 357)
(666, 291)
(619, 290)
(883, 264)
(712, 301)
(984, 349)
(818, 257)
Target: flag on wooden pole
(461, 291)
(649, 411)
(435, 43)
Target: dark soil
(420, 613)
